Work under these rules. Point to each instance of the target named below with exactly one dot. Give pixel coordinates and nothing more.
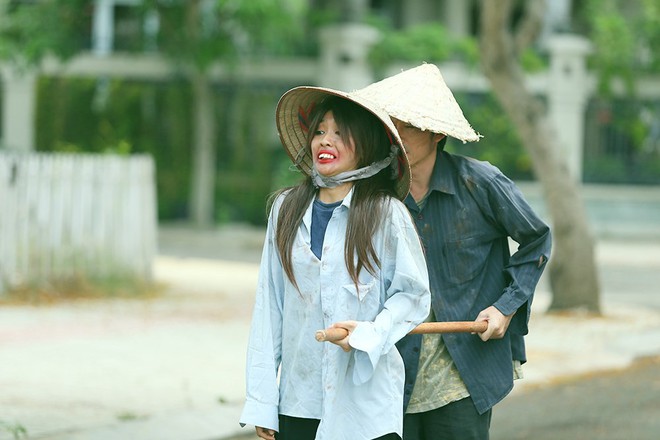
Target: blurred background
(119, 116)
(133, 129)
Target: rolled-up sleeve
(534, 239)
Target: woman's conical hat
(420, 97)
(292, 118)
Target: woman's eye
(318, 132)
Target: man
(465, 212)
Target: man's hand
(349, 326)
(497, 323)
(265, 433)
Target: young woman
(341, 250)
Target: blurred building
(122, 42)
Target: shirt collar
(442, 178)
(347, 200)
(307, 217)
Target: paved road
(614, 405)
(608, 406)
(628, 269)
(149, 369)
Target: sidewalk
(173, 367)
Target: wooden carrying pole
(337, 334)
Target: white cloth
(321, 181)
(356, 394)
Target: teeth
(326, 156)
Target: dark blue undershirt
(321, 213)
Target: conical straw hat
(420, 97)
(292, 116)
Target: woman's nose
(326, 139)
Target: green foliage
(626, 45)
(31, 30)
(532, 62)
(191, 32)
(271, 27)
(434, 43)
(625, 144)
(648, 170)
(650, 28)
(605, 169)
(17, 430)
(500, 144)
(285, 174)
(428, 42)
(137, 117)
(154, 118)
(614, 44)
(248, 150)
(198, 33)
(129, 416)
(321, 17)
(626, 39)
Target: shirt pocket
(361, 303)
(361, 291)
(465, 259)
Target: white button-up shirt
(356, 394)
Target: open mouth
(326, 157)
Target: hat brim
(420, 97)
(294, 138)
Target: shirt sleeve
(264, 343)
(534, 240)
(407, 297)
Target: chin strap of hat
(349, 176)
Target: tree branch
(495, 41)
(530, 26)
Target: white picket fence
(65, 215)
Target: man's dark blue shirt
(465, 223)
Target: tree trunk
(204, 169)
(573, 275)
(202, 188)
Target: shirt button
(415, 349)
(420, 216)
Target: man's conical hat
(420, 97)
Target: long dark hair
(370, 195)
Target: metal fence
(70, 215)
(622, 141)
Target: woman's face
(331, 155)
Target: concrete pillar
(103, 35)
(568, 93)
(18, 110)
(344, 50)
(557, 18)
